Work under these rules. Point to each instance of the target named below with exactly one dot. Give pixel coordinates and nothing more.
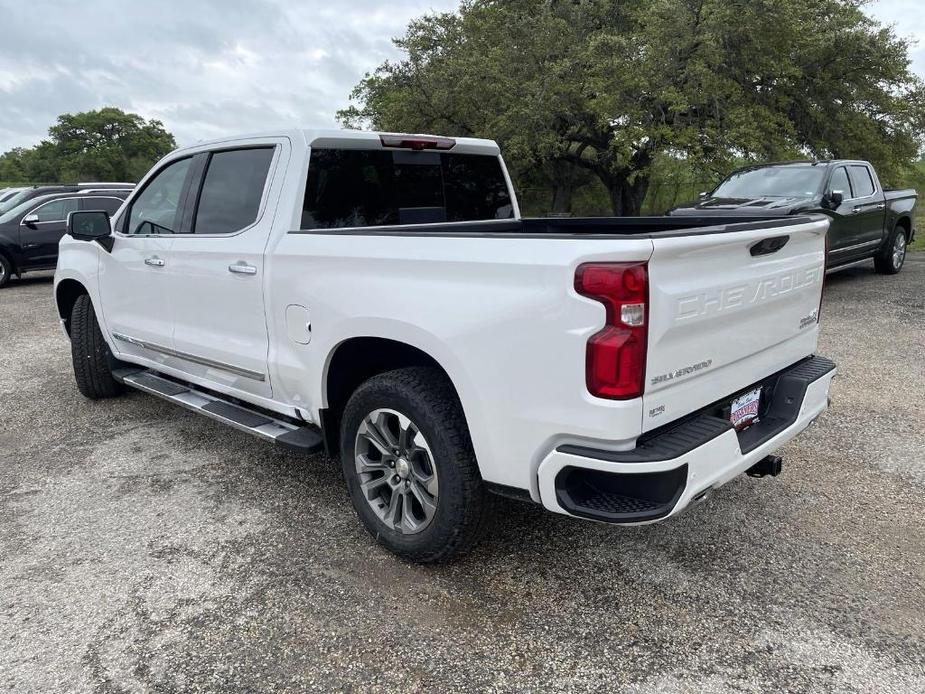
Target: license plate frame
(744, 409)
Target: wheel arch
(356, 360)
(8, 257)
(66, 294)
(905, 221)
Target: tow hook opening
(769, 465)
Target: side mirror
(30, 220)
(702, 195)
(836, 197)
(91, 225)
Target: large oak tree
(104, 145)
(608, 85)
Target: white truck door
(216, 274)
(133, 277)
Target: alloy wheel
(899, 250)
(396, 471)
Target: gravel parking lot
(143, 548)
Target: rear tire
(428, 470)
(889, 259)
(90, 354)
(6, 271)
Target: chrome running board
(304, 437)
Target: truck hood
(744, 206)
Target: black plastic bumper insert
(620, 497)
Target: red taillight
(616, 355)
(417, 143)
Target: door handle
(856, 210)
(154, 261)
(881, 206)
(242, 268)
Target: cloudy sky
(212, 67)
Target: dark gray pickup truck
(868, 221)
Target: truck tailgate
(728, 309)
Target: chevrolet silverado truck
(379, 296)
(867, 220)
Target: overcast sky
(207, 68)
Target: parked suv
(23, 194)
(31, 230)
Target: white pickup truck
(379, 296)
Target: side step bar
(305, 438)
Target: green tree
(613, 87)
(104, 145)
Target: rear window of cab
(361, 188)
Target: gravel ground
(143, 548)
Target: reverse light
(417, 143)
(616, 355)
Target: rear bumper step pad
(676, 440)
(305, 438)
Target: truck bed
(584, 227)
(899, 193)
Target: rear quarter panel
(900, 204)
(500, 315)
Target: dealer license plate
(744, 409)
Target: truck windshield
(800, 180)
(361, 188)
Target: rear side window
(360, 188)
(840, 182)
(109, 205)
(861, 181)
(232, 190)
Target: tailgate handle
(768, 246)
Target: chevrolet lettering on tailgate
(747, 293)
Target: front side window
(156, 209)
(231, 190)
(861, 181)
(55, 211)
(360, 188)
(840, 182)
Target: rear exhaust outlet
(770, 465)
(702, 496)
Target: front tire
(409, 465)
(889, 260)
(90, 354)
(6, 271)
